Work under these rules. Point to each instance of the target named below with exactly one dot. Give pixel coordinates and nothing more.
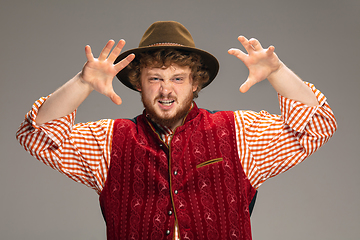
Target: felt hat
(168, 34)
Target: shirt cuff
(296, 114)
(58, 129)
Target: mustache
(162, 97)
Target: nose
(166, 88)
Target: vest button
(170, 213)
(167, 232)
(175, 173)
(176, 191)
(160, 145)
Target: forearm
(289, 85)
(64, 100)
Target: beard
(165, 118)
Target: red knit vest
(197, 181)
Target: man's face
(167, 93)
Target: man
(176, 171)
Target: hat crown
(167, 33)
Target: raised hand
(260, 62)
(100, 72)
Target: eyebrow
(175, 75)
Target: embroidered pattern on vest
(149, 186)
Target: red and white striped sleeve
(81, 151)
(271, 144)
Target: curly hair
(165, 58)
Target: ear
(138, 87)
(195, 87)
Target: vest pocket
(209, 162)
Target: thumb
(115, 98)
(246, 86)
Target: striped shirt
(267, 144)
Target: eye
(154, 79)
(178, 79)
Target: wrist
(84, 84)
(277, 71)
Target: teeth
(166, 102)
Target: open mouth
(166, 102)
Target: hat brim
(208, 60)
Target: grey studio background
(42, 46)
